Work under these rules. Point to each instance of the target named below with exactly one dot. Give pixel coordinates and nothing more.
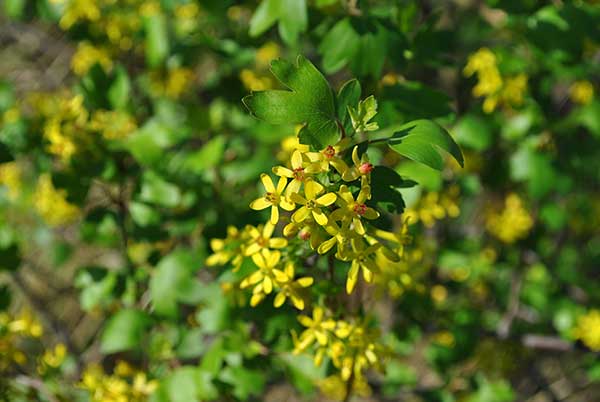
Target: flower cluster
(52, 204)
(433, 207)
(352, 347)
(328, 200)
(512, 223)
(14, 329)
(496, 89)
(258, 79)
(588, 330)
(581, 92)
(125, 384)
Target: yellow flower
(512, 223)
(317, 329)
(481, 60)
(301, 170)
(56, 356)
(330, 156)
(87, 55)
(288, 146)
(311, 204)
(262, 239)
(308, 229)
(263, 279)
(361, 261)
(290, 287)
(266, 53)
(228, 249)
(51, 204)
(113, 124)
(588, 330)
(273, 198)
(341, 236)
(362, 168)
(353, 210)
(10, 176)
(26, 324)
(79, 10)
(581, 92)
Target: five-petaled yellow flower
(262, 239)
(273, 198)
(316, 329)
(289, 287)
(311, 204)
(361, 260)
(266, 260)
(362, 168)
(301, 169)
(354, 210)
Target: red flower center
(365, 168)
(299, 173)
(329, 152)
(360, 209)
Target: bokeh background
(125, 148)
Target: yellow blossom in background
(288, 146)
(258, 78)
(122, 386)
(266, 53)
(588, 330)
(255, 82)
(491, 85)
(433, 207)
(66, 121)
(14, 330)
(113, 124)
(52, 358)
(173, 84)
(87, 55)
(335, 388)
(52, 204)
(581, 92)
(10, 177)
(78, 11)
(483, 59)
(512, 223)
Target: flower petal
(277, 242)
(320, 216)
(281, 184)
(326, 199)
(267, 285)
(279, 299)
(283, 171)
(267, 182)
(274, 215)
(300, 214)
(260, 203)
(311, 189)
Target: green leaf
(245, 382)
(422, 140)
(310, 101)
(348, 95)
(173, 275)
(156, 190)
(473, 132)
(385, 183)
(339, 46)
(291, 14)
(124, 331)
(367, 109)
(143, 215)
(119, 90)
(186, 384)
(157, 39)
